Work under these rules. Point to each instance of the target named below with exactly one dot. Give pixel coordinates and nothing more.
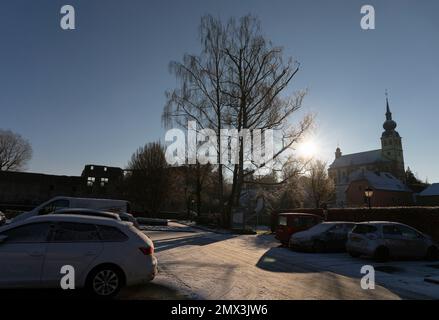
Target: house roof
(380, 180)
(360, 158)
(432, 190)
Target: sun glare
(307, 149)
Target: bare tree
(199, 97)
(318, 185)
(238, 81)
(15, 151)
(148, 177)
(258, 77)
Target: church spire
(388, 113)
(389, 125)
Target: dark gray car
(323, 237)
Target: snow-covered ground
(198, 264)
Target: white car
(385, 240)
(106, 254)
(58, 203)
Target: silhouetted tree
(147, 179)
(15, 151)
(318, 186)
(413, 182)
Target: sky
(95, 94)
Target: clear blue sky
(95, 94)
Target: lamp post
(368, 193)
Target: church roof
(379, 180)
(432, 190)
(354, 159)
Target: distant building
(101, 181)
(30, 189)
(389, 159)
(430, 196)
(388, 191)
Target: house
(430, 196)
(388, 191)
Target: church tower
(391, 146)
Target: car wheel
(319, 246)
(381, 254)
(354, 254)
(105, 281)
(432, 253)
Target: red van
(290, 223)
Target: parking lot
(198, 264)
(202, 264)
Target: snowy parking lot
(202, 264)
(198, 264)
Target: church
(381, 169)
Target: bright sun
(307, 149)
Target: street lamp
(368, 193)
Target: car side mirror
(3, 238)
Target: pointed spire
(389, 124)
(388, 113)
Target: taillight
(147, 250)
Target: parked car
(323, 237)
(2, 218)
(290, 223)
(106, 254)
(128, 217)
(89, 212)
(386, 240)
(123, 216)
(57, 203)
